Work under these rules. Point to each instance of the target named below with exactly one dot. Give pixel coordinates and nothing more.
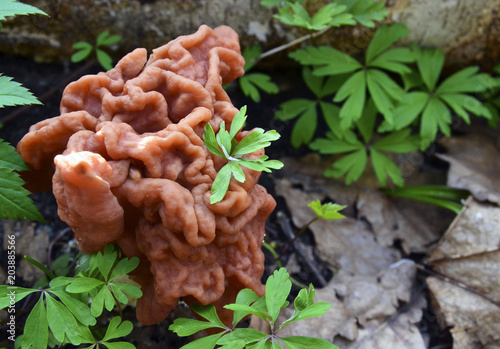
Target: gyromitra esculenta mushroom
(131, 168)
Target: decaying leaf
(469, 254)
(474, 164)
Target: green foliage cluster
(62, 314)
(14, 198)
(251, 83)
(267, 308)
(227, 147)
(373, 106)
(85, 49)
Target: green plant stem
(40, 266)
(280, 265)
(120, 312)
(297, 41)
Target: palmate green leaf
(366, 123)
(105, 39)
(249, 310)
(254, 141)
(327, 14)
(83, 284)
(14, 198)
(407, 110)
(12, 93)
(385, 167)
(436, 116)
(278, 288)
(354, 93)
(80, 310)
(384, 92)
(121, 290)
(384, 37)
(36, 329)
(351, 166)
(398, 142)
(326, 60)
(394, 60)
(124, 267)
(299, 342)
(331, 115)
(293, 14)
(103, 299)
(430, 63)
(462, 103)
(334, 145)
(20, 293)
(261, 164)
(106, 260)
(62, 322)
(365, 12)
(10, 8)
(244, 297)
(209, 313)
(327, 211)
(250, 85)
(84, 51)
(294, 107)
(467, 80)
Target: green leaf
(207, 342)
(249, 310)
(104, 39)
(250, 54)
(83, 284)
(10, 8)
(84, 51)
(186, 327)
(80, 310)
(365, 11)
(461, 103)
(327, 211)
(103, 299)
(244, 297)
(236, 171)
(106, 260)
(435, 116)
(61, 322)
(117, 329)
(366, 122)
(118, 345)
(124, 267)
(247, 335)
(239, 120)
(385, 37)
(254, 141)
(409, 108)
(121, 291)
(12, 93)
(351, 165)
(36, 329)
(430, 63)
(394, 60)
(278, 288)
(220, 184)
(261, 164)
(354, 92)
(384, 167)
(305, 127)
(104, 59)
(327, 14)
(11, 159)
(250, 84)
(299, 342)
(384, 92)
(334, 145)
(398, 142)
(327, 60)
(466, 81)
(19, 293)
(294, 107)
(211, 142)
(209, 313)
(331, 114)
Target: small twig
(51, 246)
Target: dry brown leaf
(469, 254)
(475, 164)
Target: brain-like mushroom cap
(131, 168)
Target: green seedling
(85, 49)
(267, 308)
(227, 147)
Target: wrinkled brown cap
(131, 168)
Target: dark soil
(47, 81)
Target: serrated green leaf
(365, 11)
(12, 93)
(117, 329)
(385, 37)
(351, 165)
(327, 211)
(19, 292)
(354, 93)
(36, 329)
(384, 167)
(327, 14)
(305, 127)
(299, 342)
(104, 59)
(10, 8)
(11, 159)
(278, 288)
(14, 198)
(326, 60)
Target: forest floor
(398, 273)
